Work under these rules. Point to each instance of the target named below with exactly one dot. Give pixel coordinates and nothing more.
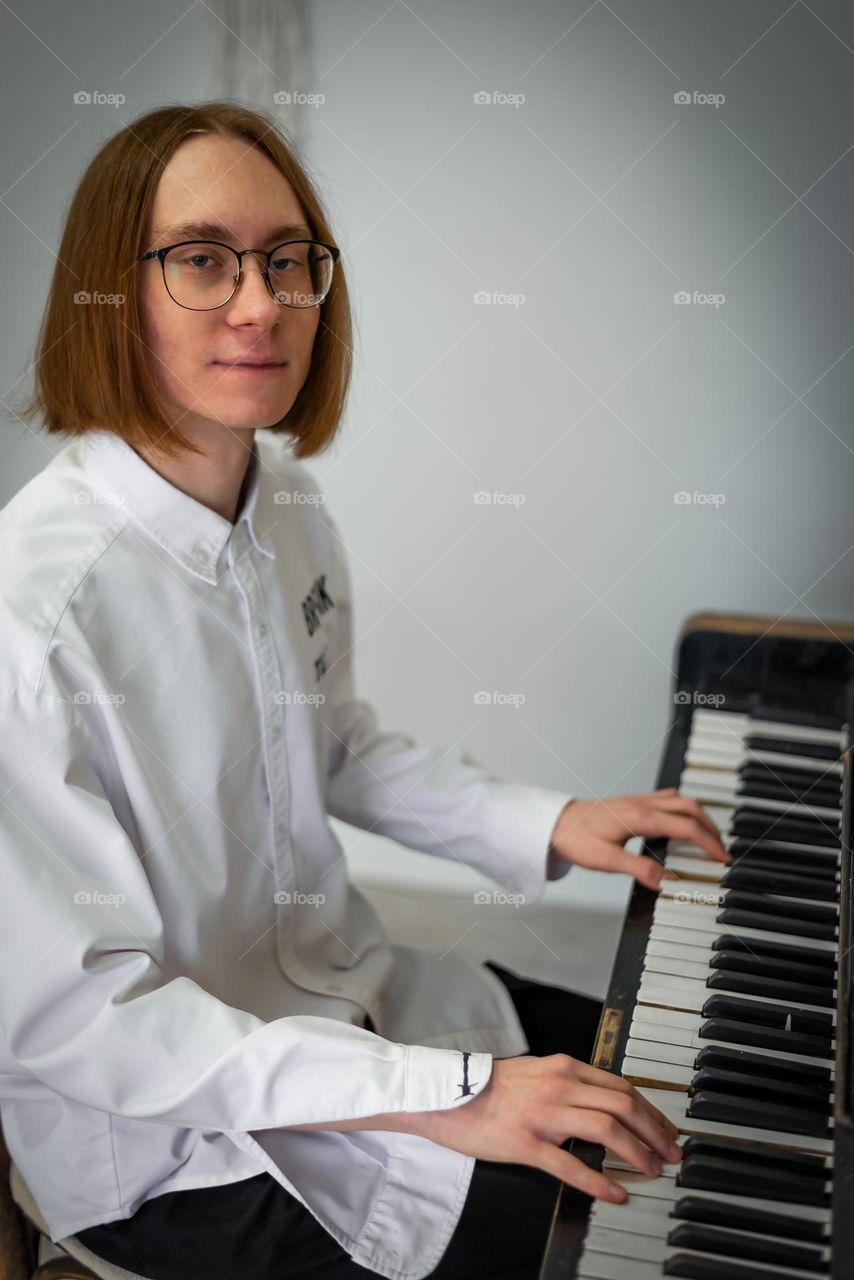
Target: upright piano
(730, 1001)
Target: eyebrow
(214, 231)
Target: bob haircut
(91, 365)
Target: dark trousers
(256, 1230)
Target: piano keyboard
(734, 1031)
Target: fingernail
(669, 875)
(655, 1167)
(616, 1192)
(674, 1152)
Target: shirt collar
(191, 532)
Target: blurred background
(601, 257)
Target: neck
(214, 477)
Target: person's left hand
(592, 833)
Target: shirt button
(201, 555)
(261, 629)
(277, 731)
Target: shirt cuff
(437, 1079)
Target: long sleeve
(87, 1005)
(441, 802)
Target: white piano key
(724, 796)
(640, 1186)
(650, 1216)
(693, 963)
(602, 1266)
(699, 868)
(708, 869)
(673, 1105)
(628, 1247)
(738, 724)
(675, 968)
(658, 1073)
(701, 919)
(701, 893)
(624, 1244)
(706, 751)
(691, 994)
(680, 1041)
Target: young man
(214, 1063)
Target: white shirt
(186, 967)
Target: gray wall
(596, 397)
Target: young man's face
(196, 355)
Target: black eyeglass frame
(240, 254)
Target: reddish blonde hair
(91, 369)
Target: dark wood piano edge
(569, 1220)
(843, 1108)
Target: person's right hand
(531, 1105)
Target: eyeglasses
(202, 275)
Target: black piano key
(794, 786)
(776, 924)
(759, 824)
(814, 798)
(756, 1154)
(809, 1021)
(696, 1266)
(788, 747)
(748, 1084)
(763, 1037)
(789, 951)
(760, 880)
(784, 716)
(740, 961)
(797, 1074)
(723, 1213)
(770, 850)
(822, 871)
(733, 1177)
(754, 984)
(828, 779)
(724, 1108)
(775, 905)
(782, 1253)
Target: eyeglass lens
(202, 276)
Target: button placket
(269, 682)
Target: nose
(253, 301)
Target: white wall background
(597, 398)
